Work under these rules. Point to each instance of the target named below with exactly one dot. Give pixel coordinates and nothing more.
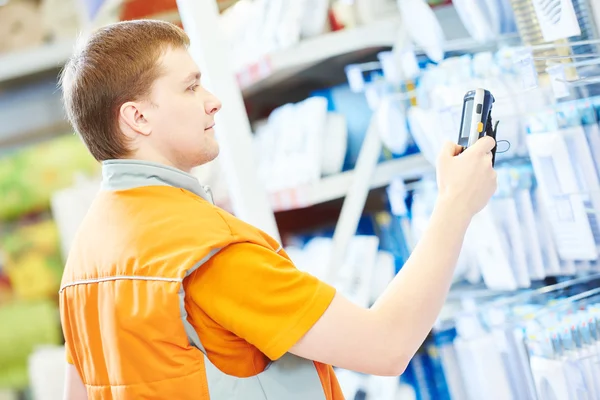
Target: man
(165, 296)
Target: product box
(32, 259)
(21, 26)
(24, 327)
(29, 176)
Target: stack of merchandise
(543, 219)
(539, 344)
(31, 263)
(22, 25)
(27, 24)
(255, 29)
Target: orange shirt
(250, 305)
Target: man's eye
(193, 87)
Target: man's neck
(154, 157)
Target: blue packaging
(426, 375)
(391, 237)
(416, 376)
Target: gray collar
(129, 174)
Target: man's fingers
(485, 144)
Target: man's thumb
(448, 151)
(485, 144)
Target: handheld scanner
(476, 119)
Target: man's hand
(467, 180)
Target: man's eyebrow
(194, 76)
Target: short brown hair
(118, 63)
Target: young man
(165, 296)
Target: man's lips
(210, 127)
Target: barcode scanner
(476, 119)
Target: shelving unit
(336, 186)
(32, 61)
(10, 141)
(30, 77)
(322, 59)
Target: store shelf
(31, 111)
(28, 137)
(32, 61)
(336, 186)
(276, 67)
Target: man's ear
(132, 116)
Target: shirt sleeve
(260, 296)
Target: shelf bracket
(356, 198)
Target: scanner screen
(466, 118)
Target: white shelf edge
(283, 63)
(31, 61)
(379, 34)
(336, 186)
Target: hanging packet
(557, 179)
(589, 110)
(550, 258)
(588, 184)
(485, 240)
(522, 182)
(504, 210)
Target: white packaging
(355, 277)
(69, 207)
(529, 234)
(335, 143)
(485, 242)
(550, 258)
(549, 377)
(507, 223)
(423, 27)
(566, 206)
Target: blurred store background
(347, 104)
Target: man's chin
(207, 156)
(215, 150)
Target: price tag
(557, 19)
(355, 78)
(525, 66)
(397, 197)
(409, 63)
(374, 96)
(558, 78)
(390, 67)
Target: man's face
(183, 115)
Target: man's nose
(213, 105)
